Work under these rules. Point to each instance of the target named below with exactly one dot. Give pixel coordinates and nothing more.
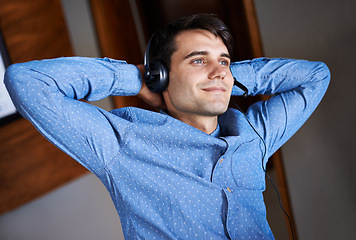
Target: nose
(217, 71)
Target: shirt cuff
(128, 79)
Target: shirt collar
(216, 132)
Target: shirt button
(228, 189)
(221, 160)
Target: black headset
(156, 72)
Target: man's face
(200, 80)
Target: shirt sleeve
(296, 88)
(47, 93)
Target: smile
(214, 89)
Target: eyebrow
(198, 53)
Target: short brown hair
(163, 42)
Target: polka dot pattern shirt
(167, 179)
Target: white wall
(320, 158)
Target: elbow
(320, 76)
(10, 74)
(15, 79)
(13, 75)
(324, 73)
(11, 78)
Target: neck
(205, 124)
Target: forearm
(273, 76)
(78, 78)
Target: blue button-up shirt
(167, 179)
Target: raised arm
(46, 93)
(296, 86)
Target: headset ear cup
(157, 79)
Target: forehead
(199, 40)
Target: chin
(216, 111)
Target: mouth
(214, 89)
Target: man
(195, 170)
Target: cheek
(180, 83)
(175, 89)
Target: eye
(225, 62)
(198, 61)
